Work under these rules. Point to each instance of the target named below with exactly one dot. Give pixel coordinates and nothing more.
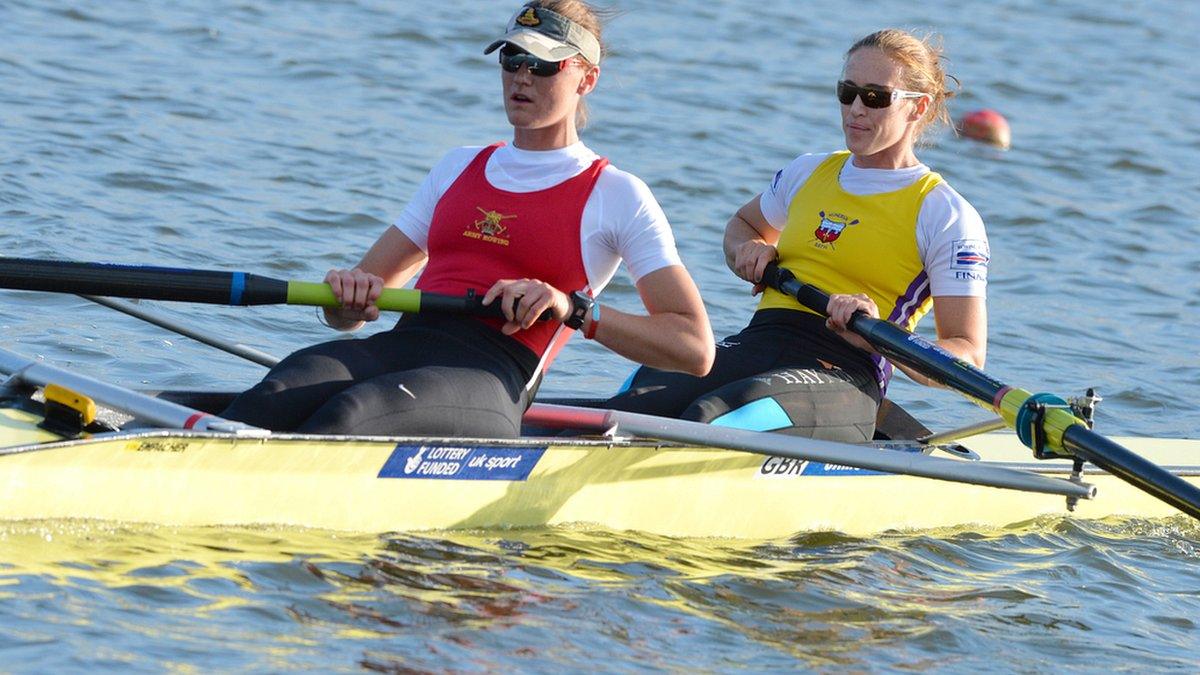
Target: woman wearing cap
(872, 226)
(541, 225)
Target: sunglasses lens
(543, 68)
(846, 93)
(511, 59)
(506, 60)
(872, 98)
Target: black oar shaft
(137, 281)
(217, 288)
(1133, 469)
(894, 342)
(1060, 430)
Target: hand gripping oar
(1043, 422)
(212, 287)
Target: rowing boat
(614, 481)
(168, 459)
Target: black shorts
(784, 372)
(428, 376)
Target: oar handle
(782, 280)
(403, 300)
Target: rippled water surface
(283, 137)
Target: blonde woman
(871, 225)
(540, 224)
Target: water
(282, 137)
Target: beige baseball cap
(548, 35)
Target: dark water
(283, 137)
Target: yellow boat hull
(381, 485)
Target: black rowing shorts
(428, 376)
(784, 372)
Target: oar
(1043, 422)
(212, 287)
(235, 348)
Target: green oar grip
(401, 300)
(321, 295)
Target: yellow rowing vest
(844, 243)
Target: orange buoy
(988, 126)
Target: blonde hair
(592, 20)
(921, 61)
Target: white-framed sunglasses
(873, 97)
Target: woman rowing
(872, 226)
(540, 225)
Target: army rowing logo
(831, 227)
(490, 228)
(529, 18)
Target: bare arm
(961, 329)
(750, 243)
(675, 336)
(391, 261)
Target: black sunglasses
(872, 97)
(511, 60)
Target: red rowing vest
(481, 234)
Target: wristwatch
(581, 306)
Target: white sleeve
(953, 244)
(416, 218)
(623, 221)
(776, 199)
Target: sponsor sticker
(970, 259)
(970, 254)
(447, 462)
(786, 467)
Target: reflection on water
(86, 592)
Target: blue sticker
(448, 462)
(822, 469)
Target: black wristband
(581, 306)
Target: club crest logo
(490, 227)
(831, 227)
(529, 18)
